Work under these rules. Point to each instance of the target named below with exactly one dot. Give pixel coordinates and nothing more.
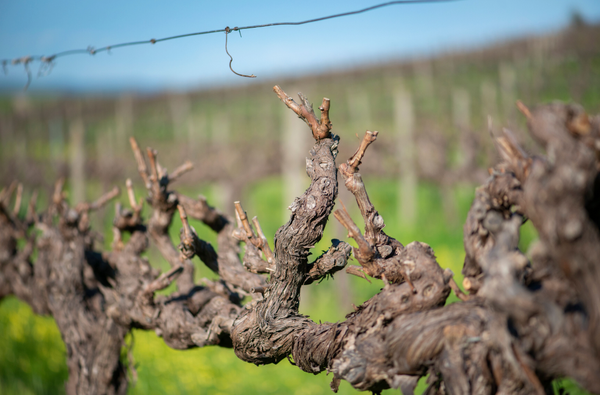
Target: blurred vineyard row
(431, 113)
(433, 149)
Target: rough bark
(525, 321)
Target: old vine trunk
(525, 321)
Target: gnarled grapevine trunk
(525, 321)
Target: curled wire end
(227, 31)
(26, 60)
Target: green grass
(32, 356)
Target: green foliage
(32, 356)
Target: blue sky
(44, 27)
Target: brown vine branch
(351, 166)
(454, 286)
(18, 197)
(373, 221)
(320, 128)
(524, 110)
(31, 215)
(364, 255)
(241, 214)
(181, 170)
(330, 262)
(512, 153)
(163, 281)
(135, 205)
(357, 271)
(259, 242)
(141, 162)
(102, 200)
(154, 172)
(187, 236)
(58, 196)
(264, 244)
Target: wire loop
(227, 30)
